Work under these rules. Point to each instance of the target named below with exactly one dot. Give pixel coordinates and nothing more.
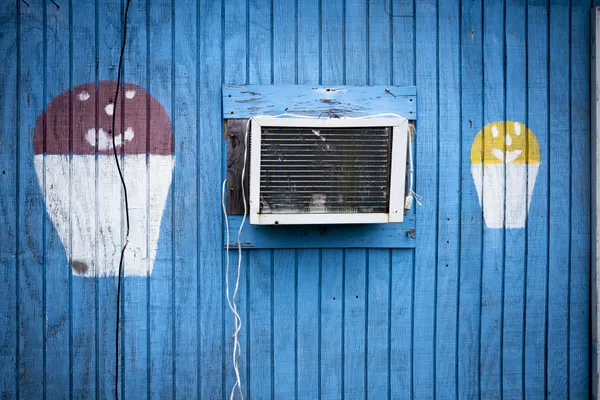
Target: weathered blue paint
(536, 293)
(390, 236)
(244, 101)
(509, 314)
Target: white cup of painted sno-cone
(505, 159)
(83, 193)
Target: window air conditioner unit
(327, 171)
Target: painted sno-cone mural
(505, 152)
(78, 176)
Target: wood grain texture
(378, 281)
(559, 214)
(243, 101)
(31, 214)
(9, 199)
(423, 345)
(84, 297)
(317, 236)
(448, 219)
(209, 154)
(537, 222)
(135, 290)
(111, 231)
(356, 264)
(507, 318)
(579, 312)
(308, 302)
(284, 323)
(188, 213)
(58, 273)
(515, 268)
(402, 260)
(235, 48)
(471, 222)
(162, 367)
(493, 239)
(332, 325)
(236, 147)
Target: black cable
(114, 116)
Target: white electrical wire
(237, 350)
(231, 301)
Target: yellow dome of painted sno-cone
(505, 152)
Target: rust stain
(412, 233)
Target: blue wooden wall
(470, 312)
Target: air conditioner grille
(325, 170)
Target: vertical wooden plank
(235, 42)
(235, 53)
(356, 267)
(471, 224)
(332, 262)
(285, 273)
(309, 41)
(84, 290)
(325, 53)
(537, 220)
(186, 207)
(31, 207)
(285, 42)
(309, 265)
(332, 65)
(109, 41)
(161, 283)
(401, 299)
(580, 202)
(259, 42)
(595, 184)
(284, 323)
(402, 261)
(260, 270)
(378, 323)
(380, 43)
(134, 292)
(448, 242)
(493, 239)
(260, 273)
(9, 177)
(559, 221)
(354, 357)
(57, 267)
(379, 275)
(356, 43)
(403, 41)
(426, 158)
(211, 372)
(515, 263)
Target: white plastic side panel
(398, 172)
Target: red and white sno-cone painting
(76, 170)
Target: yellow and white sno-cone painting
(505, 152)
